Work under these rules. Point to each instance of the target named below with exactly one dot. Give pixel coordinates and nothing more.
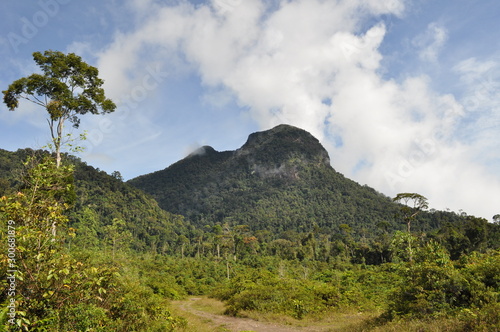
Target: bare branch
(35, 101)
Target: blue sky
(403, 94)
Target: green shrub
(433, 286)
(486, 319)
(85, 317)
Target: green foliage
(296, 290)
(47, 279)
(139, 309)
(55, 290)
(104, 200)
(433, 285)
(274, 230)
(280, 180)
(68, 87)
(97, 201)
(413, 204)
(86, 317)
(468, 234)
(485, 319)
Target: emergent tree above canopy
(67, 88)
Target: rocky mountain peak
(203, 150)
(283, 143)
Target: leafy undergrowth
(485, 320)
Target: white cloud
(480, 82)
(430, 43)
(309, 63)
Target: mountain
(102, 200)
(278, 189)
(280, 180)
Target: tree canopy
(66, 88)
(413, 205)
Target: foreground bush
(52, 289)
(434, 287)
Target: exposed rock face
(283, 143)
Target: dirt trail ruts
(239, 324)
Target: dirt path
(227, 323)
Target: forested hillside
(103, 207)
(270, 229)
(280, 181)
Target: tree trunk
(59, 141)
(57, 138)
(58, 156)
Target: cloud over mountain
(317, 65)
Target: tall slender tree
(66, 88)
(413, 204)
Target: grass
(329, 321)
(209, 305)
(197, 323)
(436, 325)
(332, 321)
